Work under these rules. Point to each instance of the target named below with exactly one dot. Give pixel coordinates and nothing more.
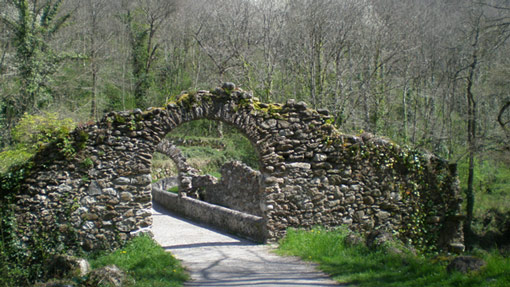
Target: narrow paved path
(217, 259)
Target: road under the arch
(217, 259)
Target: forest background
(431, 75)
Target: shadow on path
(214, 258)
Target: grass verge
(361, 266)
(146, 262)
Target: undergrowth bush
(34, 132)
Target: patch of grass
(174, 189)
(491, 184)
(203, 158)
(364, 267)
(162, 167)
(217, 175)
(146, 262)
(9, 158)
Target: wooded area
(428, 74)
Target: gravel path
(218, 259)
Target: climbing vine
(419, 183)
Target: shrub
(34, 132)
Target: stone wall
(239, 188)
(94, 206)
(311, 174)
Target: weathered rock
(65, 266)
(126, 196)
(465, 264)
(378, 238)
(109, 275)
(353, 239)
(228, 86)
(94, 188)
(456, 247)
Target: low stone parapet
(239, 223)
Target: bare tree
(97, 40)
(144, 22)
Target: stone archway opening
(206, 145)
(216, 164)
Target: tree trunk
(93, 105)
(404, 113)
(471, 103)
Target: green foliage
(492, 194)
(142, 55)
(10, 180)
(236, 145)
(87, 163)
(146, 262)
(114, 98)
(205, 159)
(491, 183)
(198, 128)
(35, 131)
(361, 266)
(35, 60)
(174, 189)
(13, 157)
(205, 150)
(12, 271)
(210, 160)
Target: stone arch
(232, 107)
(312, 173)
(185, 172)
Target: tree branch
(501, 122)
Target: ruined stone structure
(239, 188)
(311, 174)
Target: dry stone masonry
(239, 188)
(311, 174)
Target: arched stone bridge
(312, 174)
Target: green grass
(174, 189)
(491, 185)
(361, 266)
(146, 262)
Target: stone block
(94, 188)
(126, 196)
